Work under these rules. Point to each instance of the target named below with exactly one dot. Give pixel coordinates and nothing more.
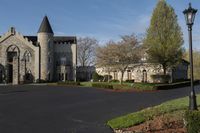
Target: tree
(119, 55)
(196, 62)
(86, 51)
(164, 37)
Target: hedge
(193, 121)
(154, 86)
(102, 85)
(96, 77)
(144, 86)
(175, 85)
(71, 83)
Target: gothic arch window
(27, 56)
(12, 48)
(11, 52)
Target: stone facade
(25, 59)
(142, 72)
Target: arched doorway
(12, 63)
(144, 76)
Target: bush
(130, 81)
(144, 86)
(161, 78)
(114, 81)
(71, 83)
(96, 77)
(193, 121)
(175, 85)
(106, 77)
(102, 85)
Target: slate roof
(32, 38)
(45, 26)
(64, 39)
(57, 39)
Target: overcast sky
(102, 19)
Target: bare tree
(119, 55)
(86, 51)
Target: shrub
(130, 81)
(160, 78)
(102, 85)
(114, 81)
(175, 85)
(144, 86)
(96, 77)
(106, 77)
(71, 83)
(193, 121)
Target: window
(63, 61)
(129, 75)
(144, 76)
(115, 75)
(59, 76)
(66, 76)
(27, 56)
(62, 76)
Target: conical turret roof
(45, 26)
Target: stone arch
(13, 48)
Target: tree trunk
(121, 80)
(109, 76)
(164, 70)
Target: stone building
(34, 58)
(144, 71)
(84, 73)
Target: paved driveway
(52, 109)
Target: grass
(149, 113)
(86, 84)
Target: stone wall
(140, 70)
(16, 40)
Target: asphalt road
(53, 109)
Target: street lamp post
(189, 17)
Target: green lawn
(148, 113)
(86, 84)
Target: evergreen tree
(164, 37)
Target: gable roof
(45, 26)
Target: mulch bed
(159, 124)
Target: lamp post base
(192, 102)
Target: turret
(45, 39)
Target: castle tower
(45, 39)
